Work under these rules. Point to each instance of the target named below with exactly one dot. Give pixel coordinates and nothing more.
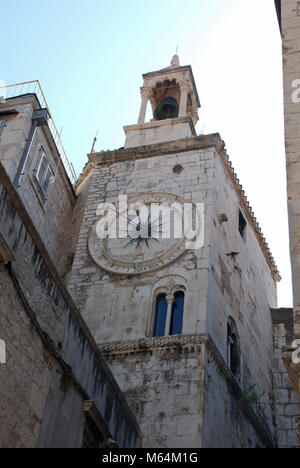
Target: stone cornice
(174, 147)
(282, 315)
(149, 151)
(187, 344)
(148, 344)
(172, 71)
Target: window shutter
(2, 125)
(42, 170)
(44, 174)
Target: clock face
(149, 239)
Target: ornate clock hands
(145, 231)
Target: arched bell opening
(165, 100)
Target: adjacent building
(289, 21)
(56, 390)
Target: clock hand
(138, 228)
(129, 243)
(125, 217)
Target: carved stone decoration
(133, 256)
(146, 92)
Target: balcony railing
(34, 87)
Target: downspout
(39, 119)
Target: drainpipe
(39, 119)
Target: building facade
(289, 21)
(55, 388)
(186, 327)
(165, 334)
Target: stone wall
(53, 364)
(241, 286)
(25, 379)
(162, 380)
(229, 420)
(91, 286)
(184, 395)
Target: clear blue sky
(89, 57)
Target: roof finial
(94, 143)
(175, 60)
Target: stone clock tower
(185, 328)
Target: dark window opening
(177, 314)
(242, 225)
(233, 348)
(161, 315)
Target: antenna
(177, 49)
(94, 143)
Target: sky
(90, 57)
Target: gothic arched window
(177, 314)
(169, 314)
(233, 352)
(160, 315)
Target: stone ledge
(282, 315)
(175, 342)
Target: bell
(167, 109)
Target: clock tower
(182, 319)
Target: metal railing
(34, 87)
